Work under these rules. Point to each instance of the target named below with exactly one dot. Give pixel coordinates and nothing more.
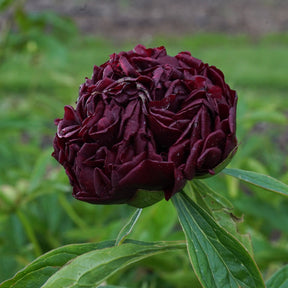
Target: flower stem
(71, 212)
(30, 233)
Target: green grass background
(37, 211)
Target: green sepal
(144, 198)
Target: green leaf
(221, 209)
(92, 268)
(127, 229)
(213, 200)
(279, 279)
(259, 180)
(36, 273)
(219, 260)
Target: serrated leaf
(92, 268)
(279, 279)
(219, 260)
(221, 209)
(127, 229)
(263, 181)
(37, 272)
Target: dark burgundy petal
(186, 60)
(215, 139)
(146, 120)
(70, 124)
(150, 175)
(164, 136)
(144, 63)
(232, 119)
(191, 163)
(216, 76)
(230, 145)
(178, 184)
(123, 168)
(209, 158)
(128, 69)
(171, 61)
(178, 153)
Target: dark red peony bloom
(146, 120)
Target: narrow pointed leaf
(127, 229)
(279, 279)
(219, 260)
(37, 272)
(263, 181)
(221, 209)
(213, 200)
(92, 268)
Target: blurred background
(47, 48)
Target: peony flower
(146, 122)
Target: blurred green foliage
(43, 62)
(32, 31)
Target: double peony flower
(146, 121)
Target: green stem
(71, 212)
(30, 233)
